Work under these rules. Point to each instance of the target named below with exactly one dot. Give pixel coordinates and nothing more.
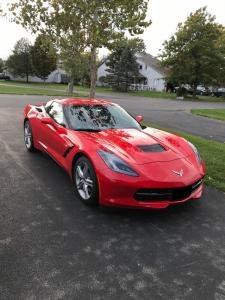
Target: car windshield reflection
(99, 117)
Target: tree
(1, 65)
(81, 25)
(135, 44)
(122, 66)
(44, 57)
(103, 80)
(78, 67)
(220, 78)
(20, 62)
(83, 71)
(193, 55)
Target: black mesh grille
(152, 148)
(174, 194)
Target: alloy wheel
(28, 135)
(84, 182)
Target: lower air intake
(174, 194)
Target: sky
(164, 14)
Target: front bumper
(121, 190)
(126, 199)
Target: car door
(53, 136)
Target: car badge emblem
(178, 173)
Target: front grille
(174, 194)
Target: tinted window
(98, 117)
(55, 111)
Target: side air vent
(152, 148)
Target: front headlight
(116, 164)
(197, 154)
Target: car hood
(140, 146)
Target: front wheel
(85, 181)
(28, 136)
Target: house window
(140, 67)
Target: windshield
(98, 117)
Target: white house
(152, 75)
(57, 76)
(150, 69)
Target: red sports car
(111, 158)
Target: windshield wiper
(88, 129)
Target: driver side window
(55, 111)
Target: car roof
(83, 101)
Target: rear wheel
(85, 181)
(28, 136)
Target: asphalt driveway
(173, 114)
(53, 247)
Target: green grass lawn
(218, 114)
(214, 157)
(164, 95)
(154, 94)
(32, 91)
(57, 89)
(48, 89)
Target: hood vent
(152, 148)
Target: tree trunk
(126, 86)
(27, 77)
(70, 86)
(93, 67)
(195, 90)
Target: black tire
(28, 137)
(85, 181)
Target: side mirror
(48, 121)
(139, 118)
(61, 129)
